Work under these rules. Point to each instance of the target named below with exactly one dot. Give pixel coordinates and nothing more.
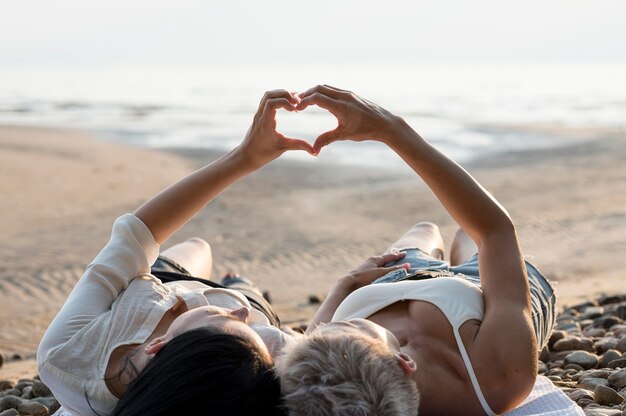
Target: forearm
(471, 206)
(325, 313)
(169, 210)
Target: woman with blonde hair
(464, 334)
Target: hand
(372, 269)
(263, 143)
(358, 119)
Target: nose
(242, 314)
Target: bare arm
(363, 275)
(172, 208)
(502, 269)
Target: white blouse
(116, 302)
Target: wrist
(396, 129)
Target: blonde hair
(344, 374)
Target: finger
(269, 95)
(326, 138)
(337, 89)
(393, 256)
(271, 105)
(319, 99)
(324, 89)
(297, 144)
(405, 266)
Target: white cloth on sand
(545, 400)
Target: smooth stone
(592, 312)
(592, 383)
(584, 359)
(9, 402)
(27, 392)
(607, 357)
(607, 396)
(555, 364)
(605, 344)
(560, 355)
(621, 345)
(585, 323)
(5, 385)
(619, 363)
(606, 322)
(12, 392)
(618, 330)
(571, 328)
(572, 366)
(555, 336)
(555, 378)
(594, 332)
(595, 374)
(50, 402)
(608, 299)
(582, 306)
(621, 311)
(585, 402)
(40, 389)
(578, 394)
(542, 368)
(544, 355)
(573, 343)
(618, 379)
(10, 412)
(32, 408)
(23, 383)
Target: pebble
(618, 379)
(19, 399)
(592, 383)
(584, 359)
(619, 363)
(574, 343)
(607, 357)
(605, 395)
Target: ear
(156, 345)
(406, 363)
(242, 314)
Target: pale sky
(201, 32)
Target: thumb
(297, 144)
(325, 139)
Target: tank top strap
(470, 370)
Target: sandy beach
(291, 227)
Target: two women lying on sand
(143, 333)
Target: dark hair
(204, 372)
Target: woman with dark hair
(228, 370)
(140, 329)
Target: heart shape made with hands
(307, 124)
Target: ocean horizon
(462, 110)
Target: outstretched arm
(502, 270)
(172, 208)
(471, 206)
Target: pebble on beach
(586, 355)
(26, 397)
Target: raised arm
(472, 207)
(172, 208)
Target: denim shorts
(542, 296)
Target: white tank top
(458, 299)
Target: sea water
(466, 111)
